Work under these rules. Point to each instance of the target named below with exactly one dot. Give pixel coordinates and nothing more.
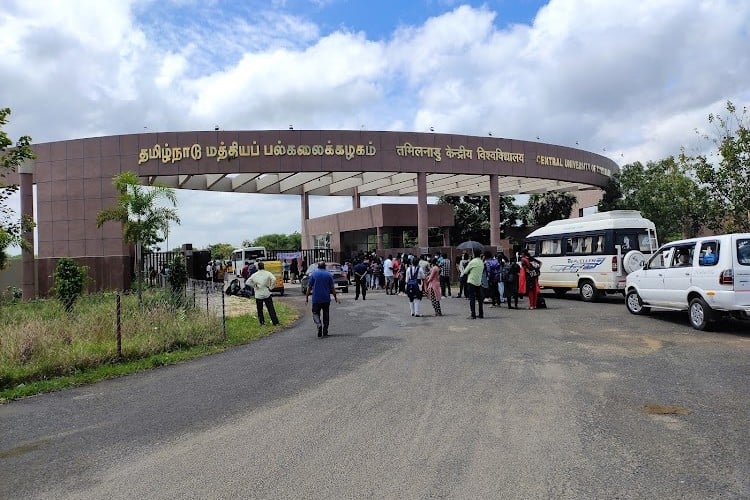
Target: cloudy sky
(632, 80)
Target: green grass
(44, 349)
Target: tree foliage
(727, 179)
(11, 227)
(665, 193)
(545, 207)
(143, 221)
(472, 216)
(276, 241)
(221, 251)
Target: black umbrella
(471, 245)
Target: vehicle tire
(634, 303)
(700, 314)
(559, 292)
(345, 289)
(588, 291)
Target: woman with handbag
(414, 278)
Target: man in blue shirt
(320, 286)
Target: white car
(709, 277)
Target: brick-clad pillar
(28, 264)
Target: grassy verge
(43, 349)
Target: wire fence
(200, 303)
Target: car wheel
(635, 304)
(700, 314)
(588, 291)
(559, 292)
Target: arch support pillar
(28, 263)
(422, 218)
(494, 212)
(304, 215)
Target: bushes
(69, 279)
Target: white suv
(709, 277)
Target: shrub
(69, 280)
(177, 275)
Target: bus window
(597, 244)
(550, 247)
(626, 241)
(644, 243)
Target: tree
(546, 207)
(472, 216)
(664, 193)
(612, 198)
(143, 222)
(11, 228)
(727, 179)
(221, 251)
(276, 241)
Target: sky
(631, 80)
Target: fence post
(206, 300)
(223, 317)
(119, 325)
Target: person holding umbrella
(473, 272)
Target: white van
(593, 253)
(709, 277)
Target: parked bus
(250, 254)
(593, 253)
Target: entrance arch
(74, 178)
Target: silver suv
(709, 277)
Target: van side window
(550, 247)
(743, 252)
(683, 256)
(709, 253)
(574, 245)
(597, 245)
(659, 259)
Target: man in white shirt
(262, 282)
(388, 274)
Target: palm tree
(143, 223)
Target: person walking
(510, 281)
(262, 282)
(388, 274)
(473, 273)
(360, 279)
(414, 278)
(320, 285)
(460, 266)
(531, 266)
(445, 276)
(492, 268)
(432, 287)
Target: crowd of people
(483, 278)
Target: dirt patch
(665, 410)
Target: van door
(651, 277)
(678, 276)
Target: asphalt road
(522, 404)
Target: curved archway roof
(345, 163)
